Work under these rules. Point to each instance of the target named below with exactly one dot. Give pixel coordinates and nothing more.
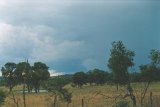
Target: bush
(122, 104)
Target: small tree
(79, 79)
(150, 72)
(56, 87)
(8, 72)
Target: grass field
(93, 96)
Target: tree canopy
(120, 60)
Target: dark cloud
(72, 36)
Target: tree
(119, 62)
(40, 73)
(56, 87)
(155, 57)
(135, 77)
(150, 72)
(24, 74)
(97, 76)
(79, 79)
(8, 72)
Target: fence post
(82, 102)
(151, 98)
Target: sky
(76, 35)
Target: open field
(93, 96)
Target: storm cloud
(71, 36)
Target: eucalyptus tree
(96, 76)
(24, 74)
(79, 79)
(8, 72)
(56, 87)
(120, 60)
(40, 73)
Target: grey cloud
(76, 32)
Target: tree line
(120, 60)
(23, 73)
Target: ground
(93, 96)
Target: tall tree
(40, 73)
(8, 72)
(24, 74)
(119, 62)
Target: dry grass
(90, 96)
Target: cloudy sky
(71, 36)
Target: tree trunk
(24, 96)
(143, 94)
(28, 88)
(117, 86)
(14, 99)
(38, 88)
(55, 101)
(151, 99)
(131, 94)
(82, 102)
(10, 89)
(35, 88)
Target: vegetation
(79, 79)
(56, 87)
(119, 62)
(94, 86)
(2, 97)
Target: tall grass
(91, 96)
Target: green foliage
(2, 96)
(122, 103)
(8, 73)
(135, 77)
(149, 73)
(79, 79)
(155, 57)
(40, 73)
(97, 76)
(56, 86)
(119, 62)
(23, 70)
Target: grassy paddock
(90, 94)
